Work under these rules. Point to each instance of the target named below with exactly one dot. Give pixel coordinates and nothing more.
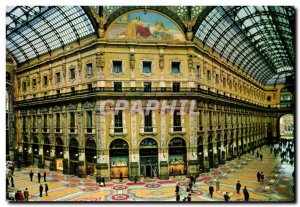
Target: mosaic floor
(276, 187)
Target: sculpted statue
(189, 24)
(101, 21)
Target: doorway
(148, 171)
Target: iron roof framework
(257, 39)
(33, 31)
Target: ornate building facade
(140, 55)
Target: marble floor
(277, 185)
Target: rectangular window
(210, 118)
(24, 86)
(57, 77)
(198, 71)
(147, 86)
(33, 82)
(72, 119)
(217, 78)
(118, 122)
(208, 75)
(224, 82)
(33, 122)
(147, 66)
(57, 92)
(89, 68)
(177, 120)
(72, 73)
(175, 67)
(269, 98)
(176, 87)
(58, 120)
(45, 121)
(148, 122)
(45, 80)
(117, 86)
(200, 118)
(90, 86)
(73, 90)
(89, 119)
(117, 66)
(24, 124)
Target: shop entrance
(177, 157)
(35, 149)
(90, 156)
(149, 158)
(73, 152)
(118, 153)
(59, 153)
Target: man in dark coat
(41, 190)
(238, 187)
(45, 176)
(257, 154)
(261, 156)
(226, 197)
(31, 175)
(39, 177)
(46, 189)
(177, 188)
(17, 195)
(121, 176)
(258, 176)
(211, 191)
(12, 181)
(246, 194)
(103, 181)
(177, 197)
(189, 198)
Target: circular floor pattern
(87, 199)
(90, 189)
(72, 184)
(152, 185)
(120, 187)
(120, 197)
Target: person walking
(257, 154)
(194, 180)
(177, 197)
(246, 193)
(39, 177)
(26, 194)
(121, 176)
(12, 181)
(45, 176)
(217, 184)
(262, 177)
(226, 197)
(189, 198)
(41, 190)
(271, 150)
(261, 157)
(21, 196)
(17, 195)
(238, 187)
(211, 191)
(46, 189)
(31, 175)
(103, 181)
(258, 176)
(177, 188)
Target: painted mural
(145, 26)
(287, 126)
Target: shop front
(119, 158)
(177, 157)
(35, 149)
(90, 156)
(73, 154)
(149, 158)
(59, 150)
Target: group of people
(189, 190)
(260, 177)
(19, 196)
(41, 189)
(38, 175)
(226, 195)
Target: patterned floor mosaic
(277, 185)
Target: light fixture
(95, 157)
(47, 150)
(25, 148)
(61, 153)
(35, 150)
(76, 155)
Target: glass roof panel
(38, 30)
(255, 34)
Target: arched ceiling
(33, 31)
(259, 40)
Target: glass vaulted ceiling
(33, 31)
(256, 39)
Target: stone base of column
(164, 170)
(134, 168)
